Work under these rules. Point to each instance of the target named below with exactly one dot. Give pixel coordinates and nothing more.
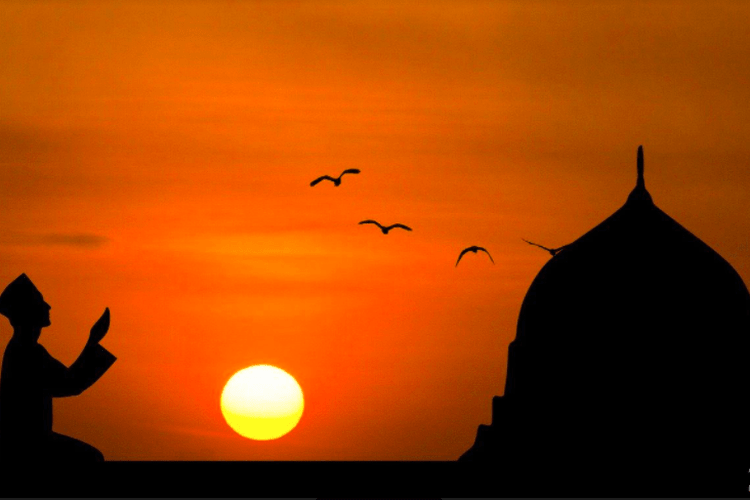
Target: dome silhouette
(633, 343)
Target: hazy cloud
(82, 240)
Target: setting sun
(262, 402)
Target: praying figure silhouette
(31, 377)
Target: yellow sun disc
(262, 402)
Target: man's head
(24, 305)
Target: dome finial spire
(639, 193)
(641, 183)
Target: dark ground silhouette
(350, 480)
(31, 377)
(632, 356)
(370, 498)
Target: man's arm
(91, 364)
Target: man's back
(25, 399)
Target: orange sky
(156, 158)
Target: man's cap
(17, 295)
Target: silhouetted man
(31, 377)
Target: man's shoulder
(18, 348)
(20, 357)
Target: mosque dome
(633, 339)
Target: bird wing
(325, 177)
(463, 252)
(349, 171)
(537, 245)
(369, 221)
(399, 225)
(488, 253)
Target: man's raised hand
(100, 328)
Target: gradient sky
(155, 157)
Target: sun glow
(262, 402)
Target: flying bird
(553, 251)
(385, 229)
(473, 249)
(336, 181)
